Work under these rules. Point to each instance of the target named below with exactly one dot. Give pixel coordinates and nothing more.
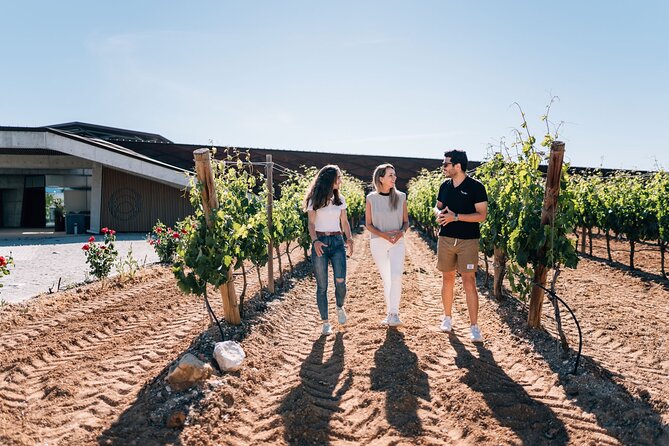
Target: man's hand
(445, 217)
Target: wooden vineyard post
(547, 217)
(499, 269)
(269, 173)
(205, 176)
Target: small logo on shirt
(470, 266)
(463, 192)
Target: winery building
(124, 179)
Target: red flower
(112, 232)
(102, 247)
(105, 230)
(3, 261)
(91, 240)
(176, 235)
(85, 247)
(151, 242)
(159, 230)
(183, 231)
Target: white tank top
(384, 218)
(327, 218)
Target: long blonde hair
(380, 172)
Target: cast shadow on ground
(398, 374)
(630, 419)
(144, 422)
(534, 422)
(308, 408)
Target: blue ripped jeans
(334, 253)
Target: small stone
(177, 419)
(188, 372)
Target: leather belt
(321, 234)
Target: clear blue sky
(403, 78)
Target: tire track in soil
(66, 382)
(69, 366)
(640, 309)
(520, 393)
(370, 385)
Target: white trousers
(389, 260)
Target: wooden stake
(499, 270)
(205, 176)
(547, 217)
(269, 173)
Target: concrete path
(41, 261)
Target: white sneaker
(394, 320)
(475, 334)
(327, 329)
(385, 320)
(341, 315)
(446, 324)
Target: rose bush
(100, 257)
(4, 266)
(165, 240)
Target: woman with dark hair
(387, 219)
(326, 209)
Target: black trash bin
(75, 223)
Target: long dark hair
(321, 189)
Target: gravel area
(41, 262)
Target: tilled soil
(86, 367)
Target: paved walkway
(41, 261)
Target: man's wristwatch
(456, 217)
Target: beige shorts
(456, 252)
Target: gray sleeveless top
(383, 217)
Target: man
(462, 204)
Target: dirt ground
(88, 366)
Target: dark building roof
(111, 134)
(360, 166)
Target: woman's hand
(393, 236)
(318, 247)
(349, 245)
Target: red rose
(175, 235)
(102, 247)
(159, 230)
(91, 240)
(3, 261)
(183, 231)
(105, 230)
(85, 247)
(112, 232)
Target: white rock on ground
(229, 355)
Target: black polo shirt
(461, 200)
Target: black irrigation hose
(578, 326)
(211, 312)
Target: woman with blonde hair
(387, 219)
(328, 221)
